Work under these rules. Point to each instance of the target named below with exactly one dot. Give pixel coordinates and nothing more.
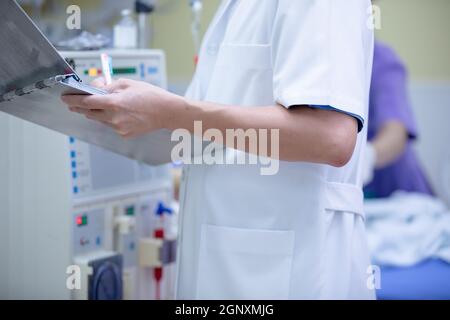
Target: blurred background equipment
(36, 6)
(144, 65)
(197, 9)
(169, 26)
(143, 9)
(84, 41)
(66, 202)
(125, 31)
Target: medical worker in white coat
(300, 66)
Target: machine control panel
(143, 65)
(91, 169)
(88, 230)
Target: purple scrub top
(389, 101)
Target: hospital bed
(429, 279)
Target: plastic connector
(156, 252)
(125, 224)
(149, 252)
(168, 251)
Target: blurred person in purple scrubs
(391, 163)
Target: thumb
(99, 83)
(117, 85)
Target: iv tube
(197, 9)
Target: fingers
(118, 85)
(97, 115)
(107, 120)
(115, 86)
(97, 102)
(90, 102)
(106, 109)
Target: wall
(173, 34)
(418, 30)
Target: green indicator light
(129, 211)
(81, 220)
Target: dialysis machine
(77, 221)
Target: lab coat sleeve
(322, 55)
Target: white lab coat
(300, 233)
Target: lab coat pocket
(238, 263)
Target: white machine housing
(63, 201)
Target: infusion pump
(78, 222)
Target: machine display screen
(94, 72)
(124, 71)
